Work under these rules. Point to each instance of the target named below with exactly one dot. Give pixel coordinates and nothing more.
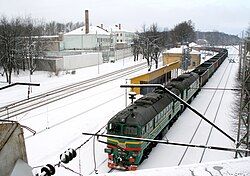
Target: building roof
(116, 29)
(193, 45)
(180, 50)
(92, 30)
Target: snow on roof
(92, 30)
(225, 168)
(116, 29)
(194, 52)
(180, 50)
(194, 45)
(174, 50)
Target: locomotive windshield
(130, 130)
(114, 128)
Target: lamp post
(98, 67)
(98, 43)
(30, 63)
(123, 57)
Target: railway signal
(132, 96)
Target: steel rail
(198, 126)
(67, 87)
(66, 93)
(216, 115)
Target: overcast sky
(229, 16)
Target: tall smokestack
(102, 26)
(120, 26)
(86, 21)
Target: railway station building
(176, 54)
(161, 75)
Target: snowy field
(239, 167)
(59, 125)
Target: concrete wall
(70, 62)
(49, 64)
(81, 61)
(12, 147)
(120, 54)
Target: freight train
(152, 115)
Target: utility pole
(186, 58)
(244, 113)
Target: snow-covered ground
(239, 167)
(49, 81)
(59, 125)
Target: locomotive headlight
(134, 154)
(131, 159)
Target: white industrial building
(96, 37)
(121, 36)
(87, 46)
(80, 39)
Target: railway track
(216, 115)
(213, 119)
(225, 76)
(23, 106)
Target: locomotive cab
(123, 154)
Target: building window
(117, 40)
(120, 34)
(117, 34)
(120, 40)
(193, 64)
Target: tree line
(21, 42)
(152, 41)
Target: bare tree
(10, 42)
(19, 45)
(135, 48)
(151, 42)
(248, 30)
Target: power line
(182, 101)
(166, 142)
(215, 88)
(69, 155)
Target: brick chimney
(102, 26)
(86, 21)
(120, 26)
